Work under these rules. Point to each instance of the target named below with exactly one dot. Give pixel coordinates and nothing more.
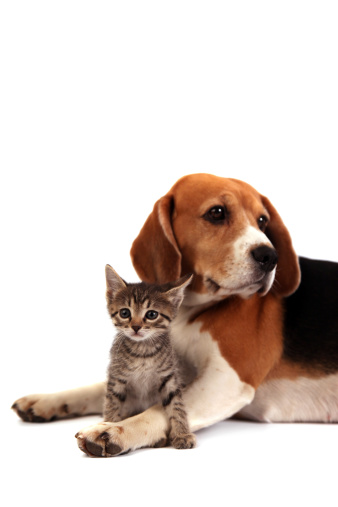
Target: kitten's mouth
(137, 335)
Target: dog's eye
(151, 315)
(125, 313)
(215, 214)
(262, 222)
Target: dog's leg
(148, 429)
(216, 394)
(72, 403)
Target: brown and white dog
(257, 333)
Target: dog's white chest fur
(189, 341)
(217, 391)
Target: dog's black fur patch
(311, 317)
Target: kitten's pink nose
(136, 328)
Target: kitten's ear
(114, 282)
(176, 290)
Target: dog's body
(251, 344)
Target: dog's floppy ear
(288, 271)
(154, 253)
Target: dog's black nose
(266, 257)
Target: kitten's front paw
(101, 440)
(186, 441)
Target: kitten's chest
(143, 370)
(143, 363)
(143, 384)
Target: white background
(104, 105)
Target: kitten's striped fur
(143, 366)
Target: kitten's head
(143, 310)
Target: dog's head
(224, 232)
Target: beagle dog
(257, 333)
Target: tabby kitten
(143, 365)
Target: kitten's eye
(125, 313)
(216, 214)
(151, 315)
(262, 222)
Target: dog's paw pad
(25, 409)
(95, 442)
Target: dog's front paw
(40, 408)
(148, 429)
(102, 440)
(186, 441)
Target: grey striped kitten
(143, 365)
